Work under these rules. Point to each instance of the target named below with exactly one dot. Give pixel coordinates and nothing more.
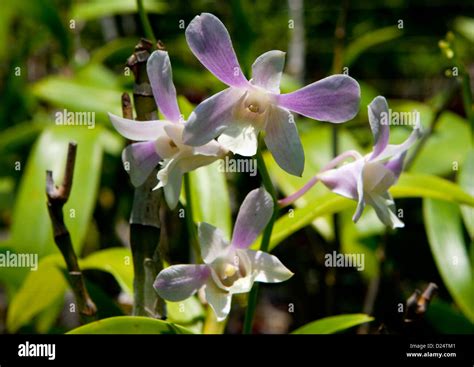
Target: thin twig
(57, 197)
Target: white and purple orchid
(368, 178)
(239, 112)
(161, 140)
(229, 268)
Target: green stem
(191, 227)
(267, 233)
(145, 22)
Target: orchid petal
(178, 282)
(283, 141)
(360, 197)
(343, 180)
(210, 43)
(334, 99)
(172, 188)
(267, 70)
(385, 209)
(395, 165)
(213, 148)
(267, 268)
(212, 242)
(138, 130)
(161, 79)
(254, 214)
(141, 159)
(211, 117)
(395, 150)
(193, 162)
(378, 119)
(219, 300)
(377, 178)
(240, 138)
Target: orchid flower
(368, 178)
(229, 268)
(161, 140)
(239, 112)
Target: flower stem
(191, 227)
(267, 233)
(145, 22)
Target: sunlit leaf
(31, 230)
(116, 261)
(466, 181)
(92, 9)
(333, 324)
(41, 289)
(444, 230)
(188, 313)
(94, 89)
(465, 26)
(446, 147)
(130, 325)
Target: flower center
(172, 144)
(230, 270)
(257, 101)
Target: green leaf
(41, 289)
(116, 261)
(93, 9)
(446, 147)
(368, 40)
(210, 197)
(409, 185)
(130, 325)
(48, 317)
(333, 324)
(297, 219)
(44, 289)
(93, 89)
(465, 26)
(318, 151)
(188, 313)
(427, 186)
(354, 239)
(446, 319)
(445, 236)
(466, 181)
(31, 230)
(20, 135)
